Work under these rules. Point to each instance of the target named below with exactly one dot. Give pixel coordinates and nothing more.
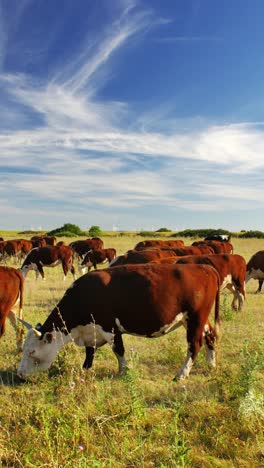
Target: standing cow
(11, 294)
(146, 300)
(95, 257)
(231, 270)
(255, 269)
(49, 256)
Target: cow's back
(142, 297)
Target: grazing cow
(255, 269)
(49, 256)
(12, 249)
(145, 300)
(82, 247)
(157, 243)
(94, 257)
(142, 256)
(1, 239)
(231, 270)
(11, 294)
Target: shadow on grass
(10, 379)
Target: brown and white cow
(231, 270)
(49, 256)
(95, 257)
(142, 256)
(255, 269)
(158, 243)
(145, 300)
(82, 247)
(11, 294)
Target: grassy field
(68, 417)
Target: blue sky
(133, 114)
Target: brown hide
(158, 243)
(231, 270)
(145, 300)
(47, 256)
(11, 289)
(142, 256)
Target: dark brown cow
(145, 300)
(49, 256)
(255, 269)
(142, 256)
(231, 270)
(11, 294)
(48, 240)
(1, 239)
(82, 247)
(12, 249)
(95, 257)
(157, 243)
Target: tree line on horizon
(72, 230)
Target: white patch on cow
(186, 368)
(179, 320)
(112, 263)
(51, 265)
(227, 280)
(91, 335)
(255, 274)
(210, 356)
(82, 268)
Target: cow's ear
(48, 338)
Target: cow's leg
(40, 271)
(119, 350)
(195, 327)
(89, 357)
(19, 332)
(237, 292)
(210, 340)
(65, 268)
(73, 271)
(260, 286)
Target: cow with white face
(146, 300)
(49, 256)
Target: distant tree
(163, 230)
(95, 231)
(67, 230)
(252, 234)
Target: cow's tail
(217, 311)
(21, 296)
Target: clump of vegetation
(95, 231)
(163, 229)
(200, 232)
(67, 230)
(252, 234)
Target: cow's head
(27, 267)
(40, 350)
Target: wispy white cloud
(67, 146)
